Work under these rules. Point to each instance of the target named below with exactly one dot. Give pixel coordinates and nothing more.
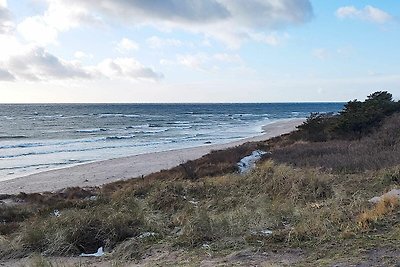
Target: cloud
(155, 42)
(191, 11)
(60, 16)
(228, 21)
(194, 61)
(6, 75)
(269, 13)
(231, 22)
(36, 64)
(127, 68)
(6, 25)
(35, 29)
(126, 45)
(368, 13)
(204, 61)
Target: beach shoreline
(102, 172)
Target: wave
(52, 116)
(136, 133)
(106, 115)
(124, 145)
(120, 137)
(91, 130)
(50, 144)
(155, 125)
(177, 122)
(71, 161)
(136, 126)
(25, 145)
(182, 127)
(13, 137)
(7, 117)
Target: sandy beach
(102, 172)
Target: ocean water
(40, 137)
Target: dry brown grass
(384, 207)
(380, 149)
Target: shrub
(380, 149)
(356, 120)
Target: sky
(173, 51)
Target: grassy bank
(305, 204)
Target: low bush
(357, 119)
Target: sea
(41, 137)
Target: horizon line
(169, 103)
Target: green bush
(356, 120)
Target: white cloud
(5, 75)
(231, 22)
(36, 64)
(272, 39)
(35, 29)
(127, 68)
(194, 61)
(6, 25)
(168, 10)
(368, 13)
(126, 45)
(9, 46)
(155, 42)
(269, 13)
(60, 16)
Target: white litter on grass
(266, 232)
(147, 234)
(206, 246)
(91, 198)
(247, 163)
(262, 233)
(193, 202)
(392, 193)
(99, 253)
(56, 213)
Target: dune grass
(303, 208)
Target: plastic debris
(56, 213)
(99, 253)
(91, 198)
(262, 233)
(206, 246)
(147, 234)
(193, 202)
(247, 163)
(266, 232)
